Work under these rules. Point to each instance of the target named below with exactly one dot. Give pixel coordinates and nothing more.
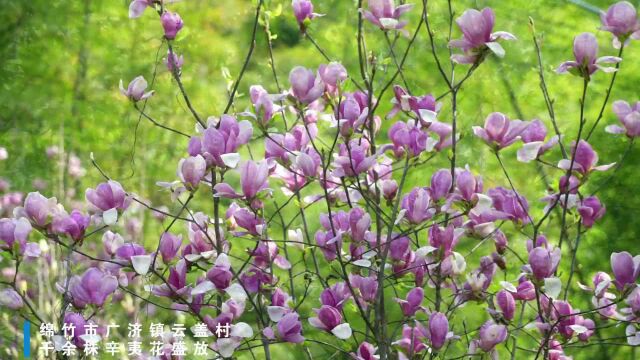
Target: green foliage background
(61, 61)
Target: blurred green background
(61, 61)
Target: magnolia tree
(385, 254)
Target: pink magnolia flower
(171, 23)
(506, 303)
(438, 330)
(587, 62)
(385, 14)
(14, 230)
(590, 210)
(11, 299)
(192, 170)
(290, 328)
(413, 338)
(533, 138)
(544, 261)
(332, 74)
(409, 138)
(424, 107)
(477, 36)
(136, 89)
(137, 7)
(173, 62)
(303, 11)
(417, 206)
(220, 275)
(413, 303)
(108, 195)
(329, 319)
(629, 116)
(585, 159)
(352, 160)
(92, 288)
(73, 225)
(365, 351)
(500, 132)
(625, 269)
(306, 87)
(621, 20)
(219, 145)
(491, 334)
(169, 246)
(253, 180)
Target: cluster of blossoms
(376, 236)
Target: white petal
(202, 288)
(424, 251)
(496, 48)
(226, 346)
(484, 203)
(236, 292)
(388, 23)
(529, 151)
(141, 263)
(110, 216)
(362, 263)
(428, 115)
(230, 160)
(276, 312)
(552, 287)
(579, 329)
(342, 331)
(242, 330)
(508, 286)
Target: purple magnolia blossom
(38, 209)
(491, 334)
(353, 113)
(365, 351)
(77, 322)
(335, 296)
(128, 250)
(11, 299)
(290, 328)
(332, 74)
(263, 103)
(306, 87)
(590, 210)
(506, 303)
(385, 14)
(352, 160)
(218, 145)
(438, 330)
(510, 203)
(174, 62)
(220, 275)
(92, 288)
(137, 7)
(417, 206)
(253, 180)
(441, 182)
(136, 89)
(477, 36)
(500, 132)
(169, 246)
(424, 107)
(585, 159)
(413, 303)
(525, 290)
(587, 62)
(176, 282)
(413, 338)
(629, 116)
(409, 138)
(444, 239)
(329, 319)
(107, 196)
(303, 11)
(625, 269)
(171, 23)
(533, 138)
(73, 225)
(359, 223)
(621, 20)
(366, 286)
(544, 261)
(14, 230)
(192, 170)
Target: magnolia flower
(413, 338)
(176, 285)
(11, 299)
(136, 89)
(73, 225)
(332, 74)
(290, 328)
(253, 180)
(506, 303)
(585, 51)
(191, 171)
(14, 230)
(366, 351)
(92, 288)
(173, 62)
(511, 204)
(408, 138)
(219, 145)
(385, 15)
(171, 23)
(137, 7)
(424, 107)
(305, 86)
(621, 20)
(585, 159)
(625, 269)
(629, 116)
(263, 103)
(477, 36)
(413, 303)
(303, 11)
(108, 198)
(352, 160)
(491, 334)
(544, 261)
(169, 246)
(438, 330)
(353, 113)
(500, 132)
(533, 138)
(329, 319)
(590, 210)
(417, 206)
